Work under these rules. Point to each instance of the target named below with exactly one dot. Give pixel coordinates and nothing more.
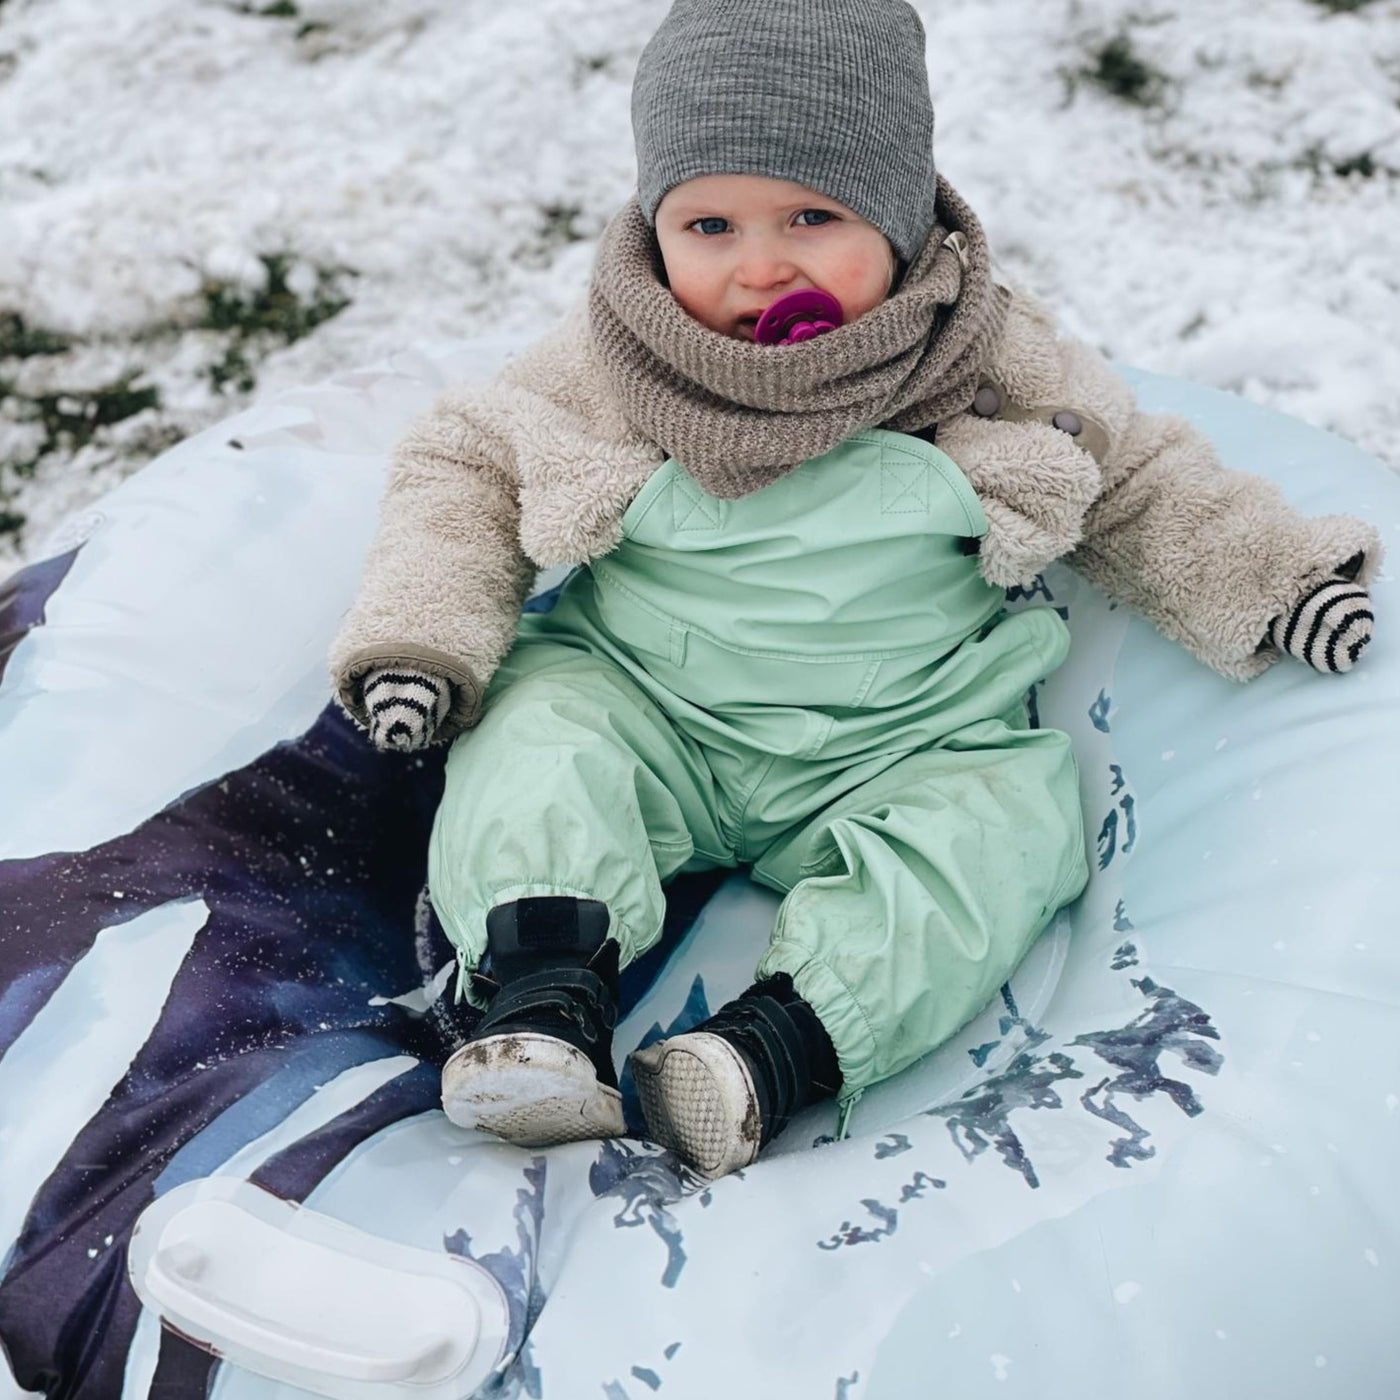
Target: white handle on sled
(173, 1280)
(297, 1296)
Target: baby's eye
(823, 215)
(710, 219)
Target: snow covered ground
(202, 201)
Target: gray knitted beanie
(832, 94)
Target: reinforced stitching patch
(686, 506)
(904, 488)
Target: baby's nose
(763, 269)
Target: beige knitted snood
(738, 415)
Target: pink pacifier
(798, 316)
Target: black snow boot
(719, 1094)
(538, 1069)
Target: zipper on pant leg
(845, 1105)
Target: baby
(786, 647)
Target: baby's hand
(1330, 626)
(405, 707)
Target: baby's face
(732, 244)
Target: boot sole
(531, 1090)
(699, 1100)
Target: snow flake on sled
(1099, 712)
(516, 1270)
(649, 1376)
(1108, 839)
(1170, 1022)
(886, 1218)
(1036, 588)
(891, 1145)
(981, 1118)
(647, 1184)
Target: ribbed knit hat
(832, 94)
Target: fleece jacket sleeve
(445, 576)
(1210, 555)
(1151, 516)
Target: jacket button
(986, 401)
(1068, 422)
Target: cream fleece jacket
(537, 467)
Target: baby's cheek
(859, 283)
(696, 298)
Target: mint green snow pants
(813, 680)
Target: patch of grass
(71, 418)
(19, 340)
(252, 321)
(1264, 81)
(274, 307)
(233, 370)
(272, 312)
(1316, 160)
(12, 522)
(151, 441)
(1121, 72)
(559, 224)
(280, 9)
(585, 65)
(557, 227)
(1361, 165)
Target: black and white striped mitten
(1330, 626)
(405, 707)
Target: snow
(446, 168)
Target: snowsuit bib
(813, 680)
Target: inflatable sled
(1162, 1164)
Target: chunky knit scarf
(739, 415)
